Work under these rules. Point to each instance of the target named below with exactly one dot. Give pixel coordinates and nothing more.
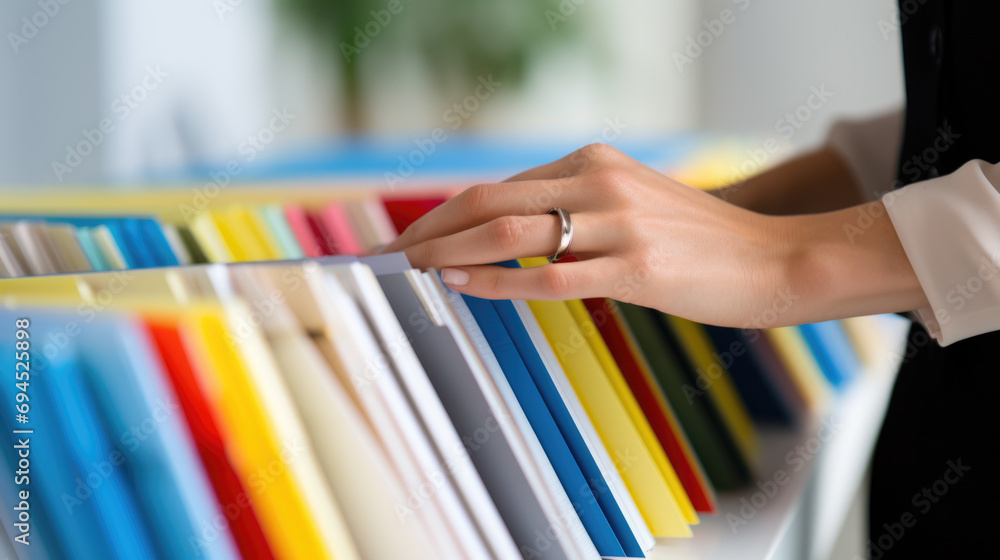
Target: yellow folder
(230, 235)
(586, 326)
(264, 372)
(614, 426)
(867, 338)
(244, 237)
(793, 350)
(664, 405)
(211, 239)
(179, 203)
(278, 501)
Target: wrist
(784, 269)
(848, 263)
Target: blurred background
(126, 92)
(123, 91)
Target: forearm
(815, 182)
(643, 238)
(847, 263)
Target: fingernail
(454, 277)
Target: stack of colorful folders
(301, 402)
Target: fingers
(508, 237)
(482, 203)
(533, 192)
(561, 281)
(559, 169)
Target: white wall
(173, 83)
(227, 71)
(49, 92)
(626, 74)
(619, 69)
(764, 64)
(215, 90)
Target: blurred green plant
(459, 40)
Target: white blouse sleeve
(950, 229)
(949, 226)
(870, 148)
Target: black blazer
(951, 61)
(942, 412)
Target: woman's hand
(640, 237)
(644, 238)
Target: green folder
(698, 416)
(194, 249)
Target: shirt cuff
(950, 229)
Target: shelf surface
(821, 465)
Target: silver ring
(565, 236)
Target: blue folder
(564, 420)
(152, 232)
(762, 399)
(833, 351)
(464, 155)
(170, 482)
(141, 239)
(556, 449)
(79, 478)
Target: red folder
(652, 402)
(298, 221)
(405, 211)
(229, 490)
(336, 224)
